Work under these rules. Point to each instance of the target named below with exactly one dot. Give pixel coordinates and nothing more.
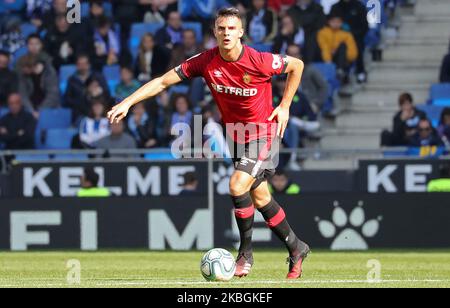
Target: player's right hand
(118, 112)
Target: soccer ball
(218, 265)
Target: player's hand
(282, 115)
(118, 112)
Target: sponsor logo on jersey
(234, 91)
(247, 78)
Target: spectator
(11, 10)
(143, 127)
(310, 17)
(96, 13)
(8, 78)
(106, 43)
(426, 135)
(158, 11)
(441, 185)
(288, 35)
(314, 85)
(76, 93)
(89, 185)
(59, 7)
(171, 34)
(261, 23)
(152, 59)
(128, 85)
(36, 9)
(35, 48)
(281, 185)
(18, 126)
(327, 5)
(180, 113)
(95, 90)
(444, 126)
(354, 15)
(38, 85)
(11, 38)
(280, 6)
(445, 69)
(404, 124)
(190, 185)
(118, 139)
(95, 126)
(187, 49)
(337, 46)
(202, 10)
(62, 42)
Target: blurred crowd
(327, 31)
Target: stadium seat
(71, 157)
(59, 139)
(18, 54)
(65, 72)
(52, 118)
(328, 71)
(440, 91)
(32, 158)
(433, 112)
(430, 152)
(3, 111)
(106, 6)
(27, 29)
(112, 76)
(85, 9)
(159, 156)
(182, 89)
(262, 47)
(137, 31)
(197, 27)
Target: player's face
(228, 32)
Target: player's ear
(241, 33)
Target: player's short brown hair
(228, 12)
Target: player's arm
(151, 89)
(294, 69)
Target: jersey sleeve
(193, 67)
(273, 64)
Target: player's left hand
(282, 115)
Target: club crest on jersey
(247, 78)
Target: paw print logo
(222, 179)
(349, 232)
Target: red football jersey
(242, 89)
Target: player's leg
(240, 184)
(276, 220)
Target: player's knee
(238, 185)
(261, 200)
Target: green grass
(181, 269)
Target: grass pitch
(181, 269)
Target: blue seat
(328, 71)
(197, 28)
(71, 157)
(27, 29)
(430, 152)
(18, 54)
(3, 111)
(262, 47)
(32, 158)
(443, 102)
(65, 72)
(59, 139)
(137, 32)
(85, 9)
(159, 156)
(51, 118)
(440, 91)
(112, 76)
(182, 89)
(433, 112)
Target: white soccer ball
(218, 265)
